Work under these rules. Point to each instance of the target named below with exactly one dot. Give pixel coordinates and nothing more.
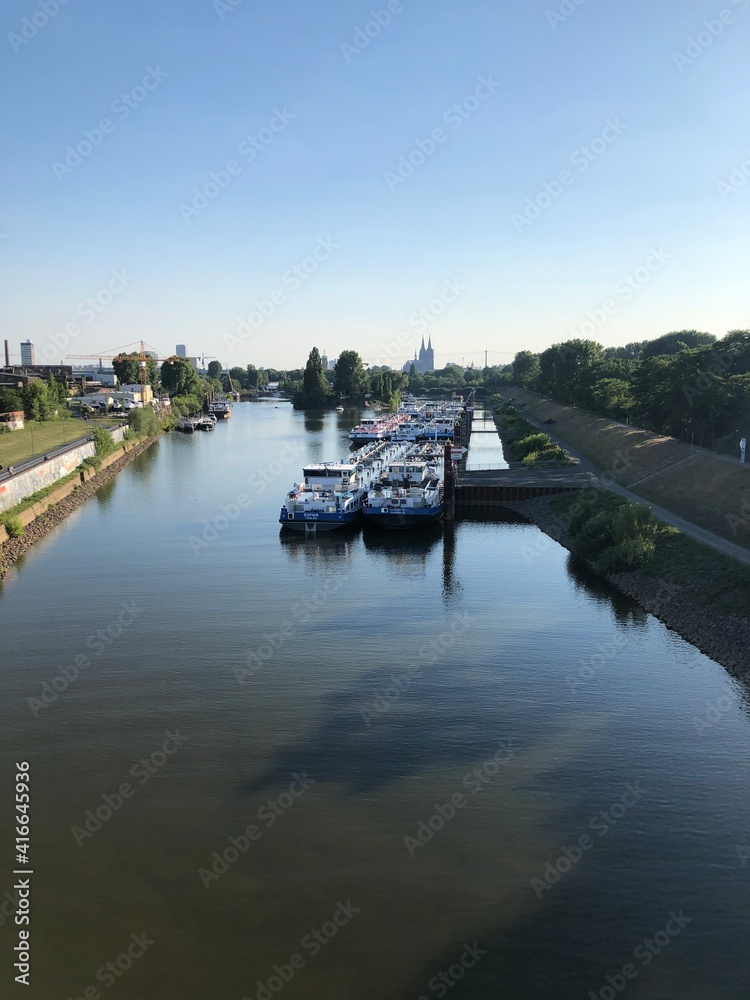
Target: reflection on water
(106, 492)
(330, 548)
(625, 610)
(314, 421)
(387, 667)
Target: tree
(127, 368)
(612, 397)
(526, 369)
(673, 343)
(350, 377)
(315, 390)
(562, 365)
(57, 391)
(179, 378)
(10, 400)
(251, 377)
(239, 377)
(214, 369)
(37, 404)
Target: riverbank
(696, 592)
(76, 494)
(704, 488)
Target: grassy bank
(707, 577)
(41, 436)
(698, 485)
(522, 441)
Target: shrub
(613, 535)
(103, 443)
(14, 527)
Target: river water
(449, 755)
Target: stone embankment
(725, 638)
(48, 513)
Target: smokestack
(7, 355)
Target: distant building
(99, 375)
(181, 351)
(28, 354)
(194, 362)
(324, 359)
(424, 362)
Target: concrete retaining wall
(22, 485)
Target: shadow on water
(344, 751)
(564, 947)
(625, 610)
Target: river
(344, 768)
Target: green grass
(702, 574)
(699, 486)
(38, 437)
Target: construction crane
(143, 360)
(202, 359)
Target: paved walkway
(687, 527)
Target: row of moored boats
(395, 479)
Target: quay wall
(23, 484)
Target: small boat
(339, 409)
(187, 425)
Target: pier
(491, 486)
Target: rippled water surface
(409, 749)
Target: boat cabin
(330, 475)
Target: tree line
(685, 384)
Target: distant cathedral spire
(424, 361)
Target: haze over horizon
(540, 171)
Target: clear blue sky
(189, 274)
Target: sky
(253, 180)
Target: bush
(613, 535)
(103, 443)
(14, 527)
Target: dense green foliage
(14, 527)
(349, 376)
(687, 385)
(10, 400)
(143, 422)
(103, 443)
(524, 441)
(214, 369)
(127, 368)
(612, 534)
(179, 378)
(315, 390)
(39, 400)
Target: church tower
(429, 357)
